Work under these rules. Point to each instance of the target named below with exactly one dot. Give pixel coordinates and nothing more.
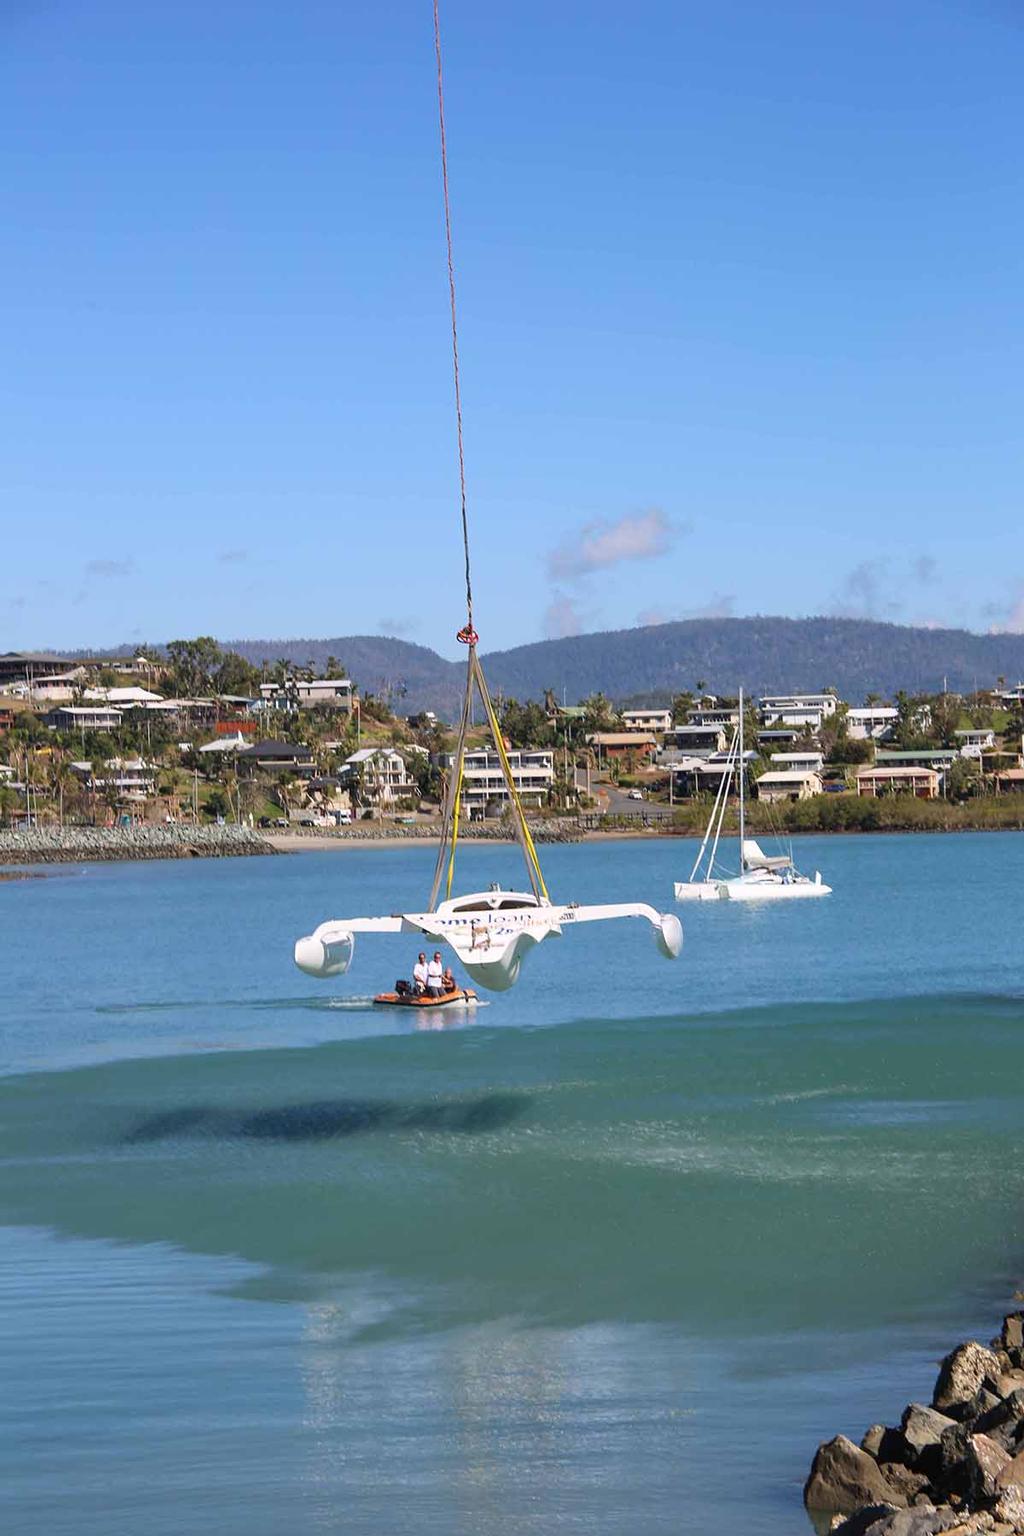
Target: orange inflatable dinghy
(411, 1000)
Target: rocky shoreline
(564, 830)
(74, 845)
(955, 1466)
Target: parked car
(636, 794)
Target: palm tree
(62, 779)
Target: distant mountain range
(649, 665)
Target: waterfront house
(483, 783)
(806, 710)
(939, 758)
(122, 698)
(309, 693)
(798, 762)
(83, 717)
(382, 775)
(973, 743)
(270, 755)
(713, 715)
(697, 775)
(696, 739)
(24, 666)
(903, 778)
(647, 719)
(873, 722)
(620, 744)
(788, 784)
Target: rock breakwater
(561, 831)
(955, 1466)
(73, 845)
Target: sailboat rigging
(761, 877)
(490, 931)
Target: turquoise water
(611, 1257)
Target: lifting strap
(444, 868)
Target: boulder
(983, 1462)
(1009, 1507)
(1003, 1422)
(864, 1520)
(1012, 1336)
(905, 1480)
(962, 1375)
(981, 1403)
(926, 1521)
(873, 1439)
(1012, 1475)
(951, 1476)
(843, 1478)
(918, 1438)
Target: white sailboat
(761, 877)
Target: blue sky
(741, 316)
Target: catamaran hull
(751, 890)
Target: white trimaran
(761, 877)
(490, 931)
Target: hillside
(766, 655)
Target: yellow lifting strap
(451, 812)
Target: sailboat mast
(740, 764)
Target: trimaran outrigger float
(490, 931)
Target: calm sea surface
(611, 1258)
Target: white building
(798, 762)
(122, 698)
(318, 692)
(383, 775)
(83, 717)
(483, 782)
(973, 743)
(131, 778)
(729, 718)
(805, 717)
(222, 745)
(791, 784)
(775, 704)
(647, 719)
(874, 722)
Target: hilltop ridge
(764, 654)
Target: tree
(235, 675)
(192, 666)
(681, 706)
(526, 725)
(600, 714)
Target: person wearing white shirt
(420, 975)
(435, 976)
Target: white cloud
(562, 617)
(600, 544)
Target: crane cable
(468, 635)
(450, 818)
